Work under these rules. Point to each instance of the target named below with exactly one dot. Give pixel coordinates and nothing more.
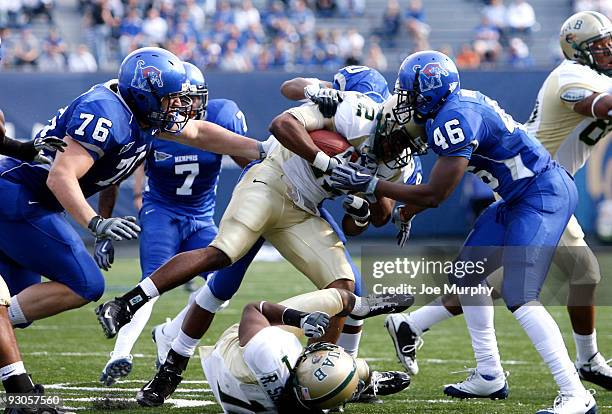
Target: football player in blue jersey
(469, 131)
(108, 131)
(178, 202)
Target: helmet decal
(430, 75)
(146, 76)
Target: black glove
(326, 99)
(104, 253)
(47, 143)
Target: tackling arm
(444, 178)
(63, 181)
(214, 138)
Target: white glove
(314, 324)
(403, 226)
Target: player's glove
(402, 225)
(49, 144)
(327, 99)
(314, 324)
(354, 177)
(116, 228)
(104, 253)
(326, 164)
(358, 209)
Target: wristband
(597, 98)
(361, 223)
(369, 192)
(321, 161)
(262, 151)
(293, 317)
(93, 223)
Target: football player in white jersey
(278, 199)
(571, 115)
(260, 365)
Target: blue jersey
(499, 150)
(185, 178)
(362, 79)
(104, 125)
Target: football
(330, 142)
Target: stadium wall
(29, 100)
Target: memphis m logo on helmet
(146, 76)
(425, 81)
(430, 76)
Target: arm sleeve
(309, 116)
(23, 151)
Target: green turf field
(67, 353)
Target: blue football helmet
(424, 83)
(146, 77)
(362, 79)
(198, 91)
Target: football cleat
(384, 304)
(580, 403)
(163, 343)
(406, 338)
(383, 383)
(597, 371)
(156, 391)
(113, 315)
(116, 367)
(478, 385)
(167, 378)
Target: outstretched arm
(211, 137)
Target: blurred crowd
(232, 36)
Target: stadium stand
(291, 35)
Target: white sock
(479, 320)
(207, 300)
(128, 335)
(349, 341)
(546, 337)
(149, 288)
(16, 315)
(427, 316)
(172, 328)
(185, 345)
(16, 368)
(586, 347)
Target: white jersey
(248, 380)
(355, 119)
(567, 135)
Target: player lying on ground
(571, 115)
(108, 131)
(179, 203)
(469, 131)
(283, 193)
(259, 364)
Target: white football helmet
(586, 38)
(325, 377)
